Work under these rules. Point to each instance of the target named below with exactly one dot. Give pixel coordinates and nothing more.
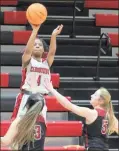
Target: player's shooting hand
(57, 30)
(35, 27)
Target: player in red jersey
(35, 69)
(99, 122)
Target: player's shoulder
(43, 60)
(94, 112)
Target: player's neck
(37, 58)
(99, 107)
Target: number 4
(39, 80)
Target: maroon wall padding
(109, 4)
(8, 2)
(55, 105)
(55, 78)
(21, 37)
(54, 129)
(114, 39)
(57, 148)
(16, 17)
(108, 20)
(4, 80)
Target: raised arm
(29, 47)
(11, 133)
(52, 48)
(81, 111)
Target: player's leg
(44, 112)
(22, 109)
(16, 106)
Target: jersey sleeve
(45, 61)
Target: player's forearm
(62, 100)
(30, 43)
(29, 48)
(53, 45)
(2, 142)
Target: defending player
(28, 132)
(99, 122)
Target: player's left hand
(57, 30)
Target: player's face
(95, 99)
(38, 48)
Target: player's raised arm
(11, 133)
(81, 111)
(52, 48)
(30, 44)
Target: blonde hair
(109, 108)
(25, 128)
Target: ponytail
(25, 128)
(111, 118)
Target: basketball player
(35, 69)
(27, 133)
(100, 121)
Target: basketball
(36, 14)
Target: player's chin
(37, 54)
(91, 102)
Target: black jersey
(96, 133)
(39, 137)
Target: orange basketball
(36, 14)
